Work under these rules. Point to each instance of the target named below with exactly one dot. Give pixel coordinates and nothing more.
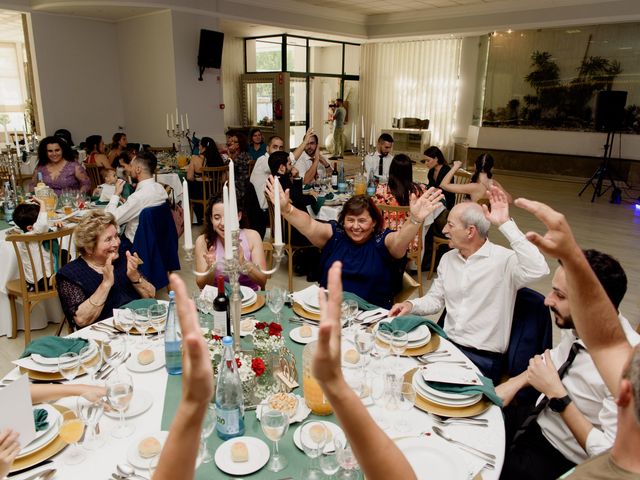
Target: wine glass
(349, 309)
(125, 321)
(406, 401)
(399, 341)
(69, 365)
(274, 425)
(119, 394)
(141, 323)
(329, 464)
(114, 351)
(313, 438)
(364, 341)
(158, 317)
(208, 426)
(90, 408)
(378, 392)
(346, 459)
(91, 360)
(275, 301)
(70, 432)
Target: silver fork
(488, 457)
(439, 360)
(476, 422)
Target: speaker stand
(603, 172)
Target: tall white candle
(167, 121)
(277, 217)
(16, 140)
(362, 125)
(353, 131)
(233, 202)
(171, 122)
(186, 117)
(177, 117)
(6, 136)
(228, 245)
(182, 122)
(188, 236)
(26, 129)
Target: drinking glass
(90, 408)
(399, 341)
(378, 392)
(125, 321)
(349, 309)
(274, 425)
(406, 401)
(208, 426)
(364, 341)
(69, 365)
(313, 437)
(141, 323)
(119, 394)
(71, 432)
(329, 464)
(346, 459)
(91, 360)
(114, 351)
(275, 301)
(158, 317)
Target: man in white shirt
(311, 161)
(378, 162)
(148, 193)
(575, 416)
(478, 280)
(261, 169)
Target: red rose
(257, 365)
(261, 325)
(217, 338)
(238, 362)
(275, 329)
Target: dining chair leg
(420, 287)
(434, 253)
(27, 322)
(62, 324)
(14, 317)
(290, 255)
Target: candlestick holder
(188, 253)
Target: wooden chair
(409, 285)
(94, 174)
(39, 260)
(461, 177)
(268, 254)
(213, 179)
(394, 217)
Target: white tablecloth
(173, 180)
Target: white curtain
(232, 68)
(411, 79)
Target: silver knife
(44, 475)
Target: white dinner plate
(140, 403)
(158, 362)
(301, 413)
(46, 436)
(258, 456)
(134, 457)
(329, 447)
(417, 335)
(295, 335)
(249, 296)
(53, 361)
(439, 394)
(432, 459)
(311, 301)
(434, 396)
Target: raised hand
(132, 267)
(107, 270)
(543, 376)
(284, 195)
(119, 187)
(499, 213)
(457, 165)
(421, 207)
(210, 255)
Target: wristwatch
(558, 405)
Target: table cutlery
(125, 471)
(439, 360)
(106, 365)
(444, 422)
(45, 475)
(107, 373)
(105, 327)
(488, 457)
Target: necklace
(94, 266)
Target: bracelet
(414, 221)
(138, 281)
(290, 210)
(97, 304)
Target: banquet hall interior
(531, 83)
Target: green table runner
(297, 459)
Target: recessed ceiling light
(509, 31)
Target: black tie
(380, 169)
(575, 348)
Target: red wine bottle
(221, 318)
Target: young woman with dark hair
(208, 156)
(481, 181)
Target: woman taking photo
(257, 147)
(104, 277)
(368, 252)
(95, 152)
(209, 249)
(481, 181)
(208, 156)
(59, 171)
(438, 168)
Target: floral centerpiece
(267, 338)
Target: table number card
(286, 371)
(15, 398)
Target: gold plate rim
(431, 346)
(256, 306)
(300, 310)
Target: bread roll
(239, 452)
(305, 331)
(145, 357)
(318, 431)
(149, 447)
(246, 325)
(351, 356)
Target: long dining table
(165, 391)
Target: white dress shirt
(259, 177)
(303, 164)
(149, 193)
(372, 164)
(480, 291)
(590, 396)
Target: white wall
(466, 87)
(77, 72)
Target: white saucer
(134, 458)
(295, 335)
(158, 362)
(329, 447)
(140, 403)
(258, 456)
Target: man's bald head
(471, 214)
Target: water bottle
(229, 401)
(172, 342)
(371, 186)
(9, 202)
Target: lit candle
(232, 222)
(276, 213)
(186, 116)
(167, 121)
(228, 246)
(188, 236)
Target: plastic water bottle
(172, 342)
(229, 401)
(9, 202)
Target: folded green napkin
(486, 389)
(317, 205)
(329, 196)
(362, 304)
(40, 419)
(98, 202)
(140, 303)
(407, 323)
(52, 346)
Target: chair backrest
(93, 171)
(268, 254)
(213, 179)
(43, 255)
(461, 177)
(394, 218)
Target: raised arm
(377, 454)
(300, 148)
(448, 185)
(317, 233)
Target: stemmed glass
(349, 309)
(399, 341)
(406, 401)
(275, 301)
(71, 432)
(91, 407)
(274, 425)
(346, 459)
(125, 321)
(208, 426)
(158, 317)
(364, 341)
(141, 323)
(313, 437)
(69, 365)
(119, 394)
(91, 360)
(378, 392)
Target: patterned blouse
(394, 221)
(73, 176)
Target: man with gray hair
(478, 280)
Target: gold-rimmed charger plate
(427, 406)
(45, 453)
(134, 330)
(431, 346)
(259, 303)
(47, 376)
(300, 310)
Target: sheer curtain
(232, 69)
(411, 79)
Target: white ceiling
(373, 7)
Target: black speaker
(210, 49)
(609, 111)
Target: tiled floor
(614, 229)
